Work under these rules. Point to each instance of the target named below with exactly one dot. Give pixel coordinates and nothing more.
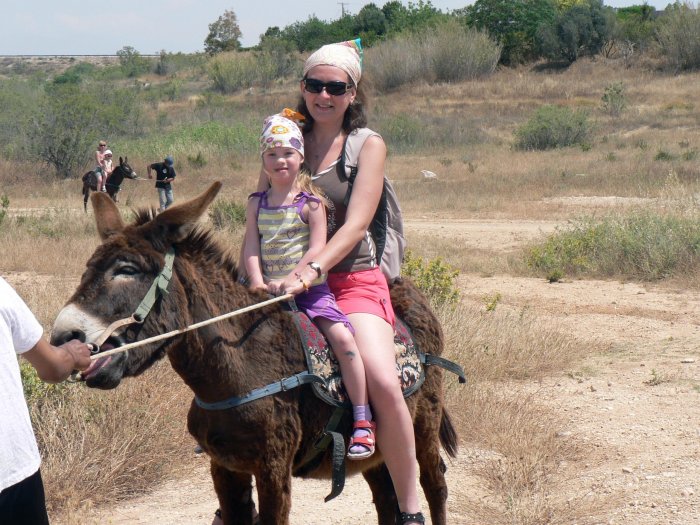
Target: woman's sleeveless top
(334, 184)
(284, 235)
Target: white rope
(191, 327)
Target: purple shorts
(318, 301)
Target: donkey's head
(129, 172)
(118, 283)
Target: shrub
(435, 279)
(641, 244)
(553, 127)
(454, 54)
(4, 204)
(613, 99)
(230, 72)
(227, 215)
(678, 35)
(395, 62)
(446, 53)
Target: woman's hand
(293, 284)
(276, 287)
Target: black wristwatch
(317, 267)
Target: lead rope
(179, 331)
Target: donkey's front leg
(383, 494)
(235, 493)
(274, 485)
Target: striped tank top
(284, 235)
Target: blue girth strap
(288, 383)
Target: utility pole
(342, 8)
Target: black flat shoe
(417, 517)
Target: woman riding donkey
(286, 229)
(333, 104)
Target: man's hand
(55, 363)
(80, 352)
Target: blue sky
(72, 27)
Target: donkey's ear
(109, 220)
(179, 220)
(121, 161)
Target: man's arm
(148, 171)
(55, 363)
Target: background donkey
(113, 184)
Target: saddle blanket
(321, 361)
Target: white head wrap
(344, 55)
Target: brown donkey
(270, 437)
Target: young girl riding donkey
(286, 229)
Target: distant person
(22, 500)
(165, 175)
(99, 170)
(107, 169)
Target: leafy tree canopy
(224, 34)
(513, 23)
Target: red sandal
(364, 441)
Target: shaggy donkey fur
(267, 438)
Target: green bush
(435, 279)
(454, 53)
(445, 53)
(553, 127)
(231, 72)
(227, 215)
(678, 35)
(614, 100)
(641, 244)
(4, 204)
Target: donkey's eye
(125, 268)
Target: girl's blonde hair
(306, 184)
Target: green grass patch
(640, 245)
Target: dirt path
(636, 404)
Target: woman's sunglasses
(335, 87)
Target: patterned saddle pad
(321, 361)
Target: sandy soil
(636, 404)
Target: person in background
(22, 497)
(165, 175)
(107, 168)
(99, 170)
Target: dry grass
(524, 461)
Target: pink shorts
(365, 291)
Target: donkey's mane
(200, 241)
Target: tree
(224, 34)
(370, 24)
(131, 62)
(512, 23)
(637, 24)
(580, 30)
(71, 117)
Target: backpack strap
(348, 159)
